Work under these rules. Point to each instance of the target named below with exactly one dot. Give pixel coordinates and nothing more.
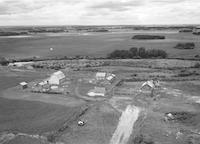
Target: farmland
(45, 118)
(119, 110)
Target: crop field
(93, 44)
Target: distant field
(95, 44)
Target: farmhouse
(148, 85)
(97, 91)
(56, 78)
(100, 75)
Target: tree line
(135, 52)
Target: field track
(125, 125)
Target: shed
(24, 85)
(110, 77)
(97, 91)
(44, 82)
(56, 78)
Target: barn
(56, 78)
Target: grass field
(97, 44)
(32, 117)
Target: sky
(99, 12)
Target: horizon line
(102, 25)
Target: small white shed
(24, 85)
(97, 91)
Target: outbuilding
(97, 91)
(24, 85)
(110, 77)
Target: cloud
(52, 12)
(169, 1)
(16, 7)
(24, 6)
(118, 5)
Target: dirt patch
(125, 126)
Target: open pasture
(93, 44)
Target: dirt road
(125, 125)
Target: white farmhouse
(100, 75)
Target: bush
(185, 73)
(147, 37)
(156, 53)
(134, 51)
(51, 138)
(185, 46)
(4, 61)
(141, 139)
(196, 33)
(185, 30)
(197, 65)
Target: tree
(133, 51)
(142, 52)
(4, 61)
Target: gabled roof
(58, 75)
(23, 83)
(149, 83)
(110, 76)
